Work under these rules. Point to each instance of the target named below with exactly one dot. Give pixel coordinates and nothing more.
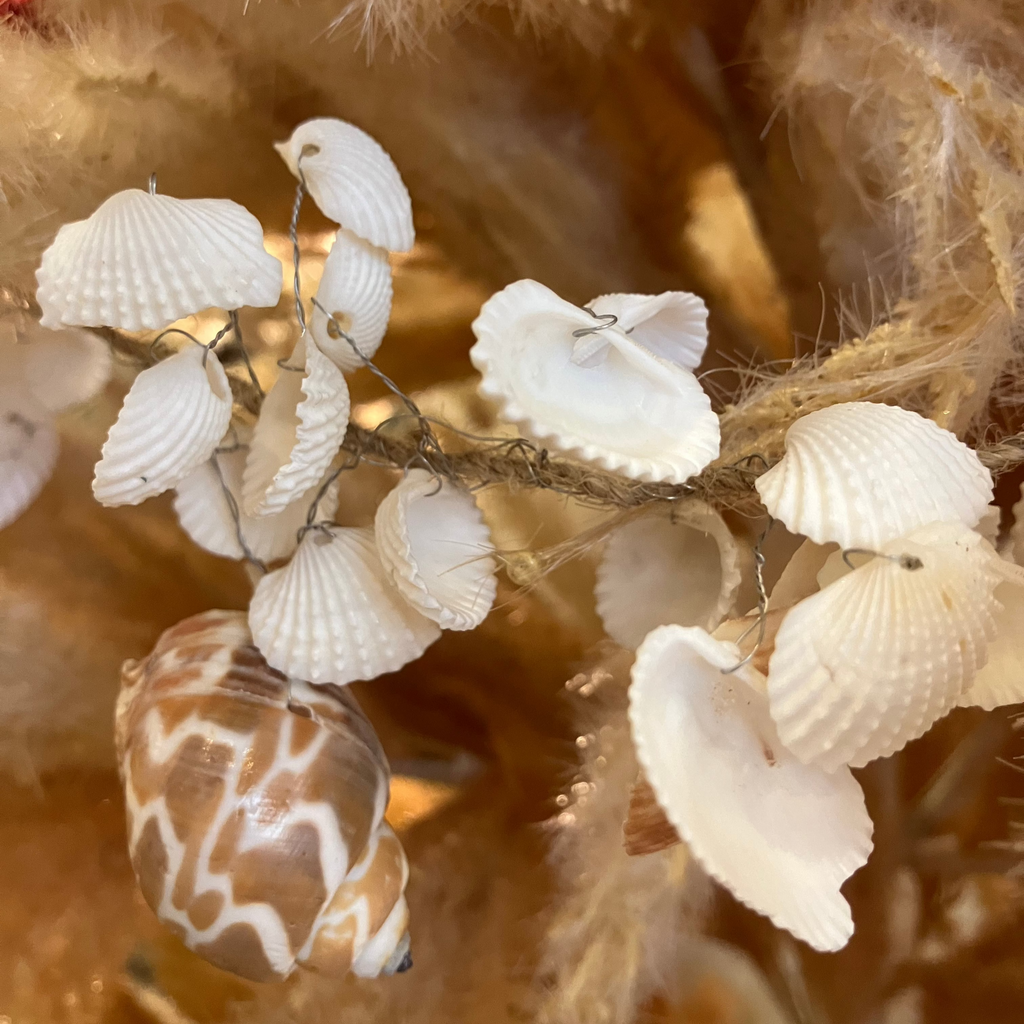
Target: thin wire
(293, 234)
(236, 516)
(233, 314)
(762, 603)
(909, 562)
(152, 184)
(610, 321)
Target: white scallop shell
(172, 419)
(205, 515)
(331, 614)
(353, 181)
(144, 261)
(437, 550)
(682, 569)
(1001, 680)
(301, 426)
(356, 290)
(780, 835)
(863, 474)
(871, 661)
(28, 453)
(672, 325)
(61, 368)
(601, 396)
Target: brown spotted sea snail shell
(256, 810)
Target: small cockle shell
(172, 419)
(872, 660)
(863, 474)
(682, 568)
(301, 426)
(205, 515)
(255, 810)
(143, 261)
(600, 395)
(353, 181)
(28, 452)
(332, 615)
(672, 325)
(437, 550)
(780, 835)
(356, 290)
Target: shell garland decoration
(143, 260)
(579, 383)
(672, 325)
(255, 810)
(174, 416)
(332, 615)
(437, 550)
(301, 426)
(352, 180)
(780, 835)
(683, 568)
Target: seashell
(353, 181)
(780, 835)
(863, 474)
(300, 429)
(331, 614)
(356, 290)
(28, 452)
(871, 661)
(172, 419)
(682, 569)
(601, 395)
(143, 261)
(672, 325)
(437, 550)
(1000, 680)
(205, 515)
(255, 809)
(61, 368)
(800, 578)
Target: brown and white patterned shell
(256, 809)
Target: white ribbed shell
(437, 550)
(356, 290)
(870, 662)
(353, 181)
(301, 426)
(332, 616)
(61, 368)
(672, 325)
(863, 474)
(780, 835)
(1001, 680)
(205, 515)
(143, 261)
(683, 569)
(172, 419)
(617, 405)
(28, 452)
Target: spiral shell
(353, 181)
(255, 809)
(143, 261)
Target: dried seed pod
(255, 809)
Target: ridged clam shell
(172, 419)
(682, 569)
(871, 661)
(863, 474)
(143, 261)
(301, 426)
(356, 290)
(61, 368)
(618, 406)
(331, 614)
(205, 515)
(28, 453)
(780, 835)
(672, 325)
(437, 550)
(1001, 680)
(353, 181)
